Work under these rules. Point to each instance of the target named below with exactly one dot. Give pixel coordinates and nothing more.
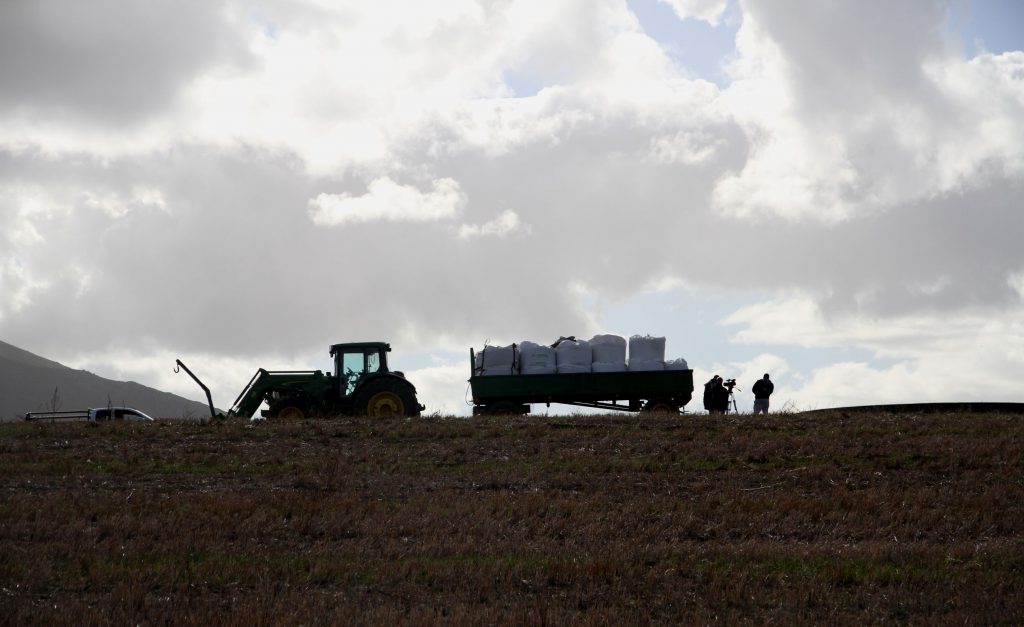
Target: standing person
(716, 397)
(762, 390)
(709, 392)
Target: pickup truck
(97, 414)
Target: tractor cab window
(354, 366)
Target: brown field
(584, 520)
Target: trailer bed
(625, 391)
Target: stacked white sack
(646, 348)
(495, 360)
(573, 356)
(609, 353)
(536, 359)
(676, 364)
(646, 353)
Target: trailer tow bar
(209, 399)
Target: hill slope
(28, 381)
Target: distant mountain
(28, 383)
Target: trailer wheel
(387, 397)
(660, 406)
(505, 408)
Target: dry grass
(603, 520)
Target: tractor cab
(355, 362)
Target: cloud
(971, 357)
(253, 182)
(708, 10)
(685, 147)
(504, 225)
(106, 62)
(442, 388)
(800, 321)
(389, 201)
(115, 206)
(851, 124)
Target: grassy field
(603, 520)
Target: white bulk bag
(498, 359)
(676, 364)
(646, 348)
(536, 359)
(572, 355)
(608, 349)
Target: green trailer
(662, 391)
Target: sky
(830, 192)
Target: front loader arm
(209, 398)
(251, 396)
(266, 382)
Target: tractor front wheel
(290, 412)
(289, 409)
(386, 398)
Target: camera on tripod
(729, 384)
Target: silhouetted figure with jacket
(762, 390)
(716, 396)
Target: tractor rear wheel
(387, 397)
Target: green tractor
(361, 385)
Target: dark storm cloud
(106, 60)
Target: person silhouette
(762, 389)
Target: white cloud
(708, 10)
(972, 356)
(845, 127)
(685, 147)
(442, 388)
(115, 206)
(504, 225)
(387, 200)
(665, 284)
